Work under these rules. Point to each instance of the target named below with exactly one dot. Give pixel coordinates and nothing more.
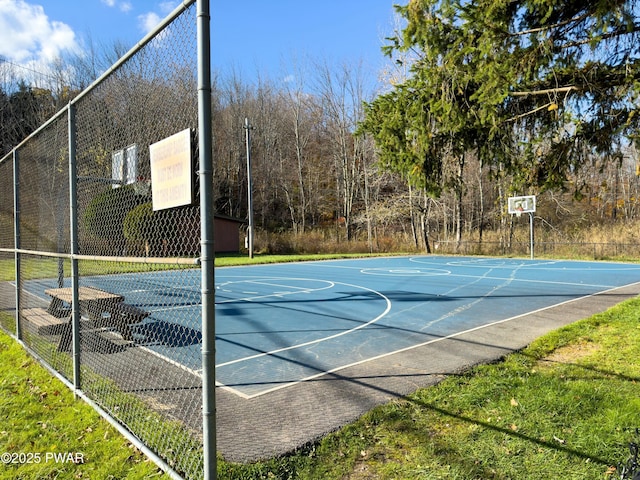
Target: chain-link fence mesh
(6, 206)
(137, 284)
(7, 265)
(43, 187)
(7, 293)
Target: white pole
(531, 233)
(248, 127)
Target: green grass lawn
(46, 267)
(46, 434)
(566, 407)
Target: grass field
(46, 434)
(564, 408)
(47, 267)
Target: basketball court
(279, 325)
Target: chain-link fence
(519, 248)
(107, 287)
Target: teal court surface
(279, 325)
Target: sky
(248, 36)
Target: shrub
(137, 226)
(105, 214)
(164, 232)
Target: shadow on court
(166, 333)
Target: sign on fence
(171, 171)
(124, 166)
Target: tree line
(478, 102)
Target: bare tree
(302, 113)
(343, 92)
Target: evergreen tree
(528, 85)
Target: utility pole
(248, 127)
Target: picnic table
(92, 300)
(101, 308)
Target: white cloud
(27, 34)
(149, 21)
(168, 7)
(124, 6)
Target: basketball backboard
(520, 205)
(124, 166)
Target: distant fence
(595, 250)
(104, 288)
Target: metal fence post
(73, 226)
(207, 254)
(16, 238)
(248, 128)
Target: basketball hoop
(524, 204)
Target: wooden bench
(43, 322)
(92, 300)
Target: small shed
(226, 234)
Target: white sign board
(171, 171)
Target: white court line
(279, 285)
(544, 265)
(436, 260)
(490, 267)
(462, 308)
(319, 340)
(286, 384)
(405, 272)
(423, 344)
(525, 280)
(175, 363)
(496, 263)
(328, 284)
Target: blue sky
(249, 36)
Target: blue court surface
(277, 325)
